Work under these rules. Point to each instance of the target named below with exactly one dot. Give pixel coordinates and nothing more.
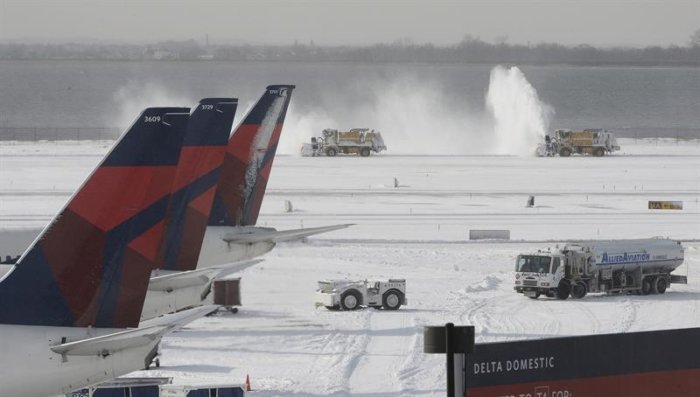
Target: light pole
(455, 342)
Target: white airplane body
(37, 370)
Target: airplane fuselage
(29, 368)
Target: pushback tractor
(350, 295)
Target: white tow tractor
(350, 295)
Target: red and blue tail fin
(91, 265)
(249, 156)
(195, 182)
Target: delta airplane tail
(91, 266)
(195, 183)
(249, 156)
(231, 234)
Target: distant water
(96, 99)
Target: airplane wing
(279, 236)
(148, 332)
(197, 277)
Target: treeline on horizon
(469, 50)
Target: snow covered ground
(418, 231)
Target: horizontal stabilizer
(112, 343)
(149, 331)
(175, 321)
(173, 281)
(230, 268)
(177, 280)
(279, 236)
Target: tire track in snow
(493, 308)
(630, 317)
(588, 317)
(410, 368)
(330, 362)
(340, 349)
(391, 339)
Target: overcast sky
(570, 22)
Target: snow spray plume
(299, 127)
(413, 115)
(521, 119)
(419, 118)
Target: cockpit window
(533, 264)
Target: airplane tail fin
(195, 182)
(249, 156)
(91, 265)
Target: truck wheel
(646, 286)
(660, 285)
(392, 299)
(563, 290)
(350, 300)
(364, 152)
(565, 152)
(331, 152)
(598, 152)
(579, 290)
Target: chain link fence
(58, 133)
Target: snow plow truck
(639, 267)
(595, 142)
(360, 141)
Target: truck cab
(539, 274)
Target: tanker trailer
(614, 266)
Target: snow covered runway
(417, 231)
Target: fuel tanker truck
(640, 267)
